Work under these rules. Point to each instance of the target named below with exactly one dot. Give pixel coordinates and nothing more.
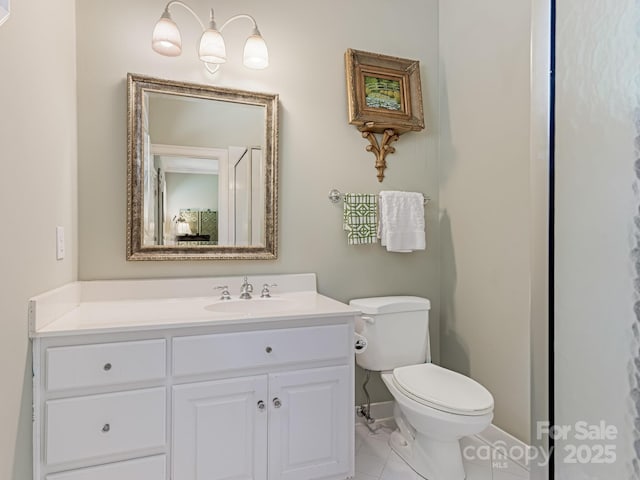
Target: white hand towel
(401, 221)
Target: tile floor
(376, 461)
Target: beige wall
(597, 147)
(318, 149)
(38, 190)
(484, 195)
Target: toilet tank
(396, 329)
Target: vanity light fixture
(211, 48)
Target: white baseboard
(380, 412)
(492, 435)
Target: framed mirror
(202, 176)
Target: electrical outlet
(59, 243)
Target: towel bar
(335, 196)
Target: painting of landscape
(383, 93)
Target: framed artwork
(384, 92)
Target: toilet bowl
(434, 407)
(432, 419)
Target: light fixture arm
(238, 17)
(187, 8)
(213, 68)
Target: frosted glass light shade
(166, 37)
(212, 48)
(255, 52)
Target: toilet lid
(443, 389)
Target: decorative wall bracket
(384, 97)
(381, 150)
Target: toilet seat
(443, 389)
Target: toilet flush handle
(369, 320)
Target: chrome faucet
(245, 289)
(266, 293)
(225, 292)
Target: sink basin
(253, 306)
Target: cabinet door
(220, 430)
(309, 431)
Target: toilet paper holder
(360, 344)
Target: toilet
(434, 407)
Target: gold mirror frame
(137, 85)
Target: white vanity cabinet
(201, 403)
(290, 422)
(100, 408)
(158, 380)
(283, 426)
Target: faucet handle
(265, 290)
(225, 292)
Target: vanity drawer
(105, 364)
(248, 350)
(98, 425)
(150, 468)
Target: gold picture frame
(384, 92)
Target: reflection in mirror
(202, 172)
(4, 10)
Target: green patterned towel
(361, 218)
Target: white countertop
(135, 305)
